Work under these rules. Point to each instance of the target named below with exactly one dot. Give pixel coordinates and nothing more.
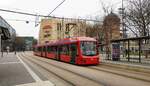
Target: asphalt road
(74, 73)
(14, 72)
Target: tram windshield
(88, 48)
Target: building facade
(55, 29)
(24, 43)
(7, 35)
(111, 26)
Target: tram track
(123, 72)
(127, 67)
(67, 83)
(88, 80)
(116, 67)
(91, 76)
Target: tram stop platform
(14, 72)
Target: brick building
(111, 25)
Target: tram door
(58, 53)
(40, 49)
(73, 49)
(45, 54)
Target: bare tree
(94, 30)
(137, 17)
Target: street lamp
(0, 43)
(122, 13)
(27, 22)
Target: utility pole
(123, 28)
(62, 28)
(121, 11)
(1, 42)
(124, 35)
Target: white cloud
(7, 2)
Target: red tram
(76, 50)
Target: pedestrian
(126, 52)
(7, 49)
(15, 51)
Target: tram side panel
(64, 53)
(51, 52)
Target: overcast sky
(70, 8)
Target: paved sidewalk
(12, 71)
(15, 72)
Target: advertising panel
(116, 51)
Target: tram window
(39, 49)
(65, 50)
(68, 50)
(44, 48)
(49, 49)
(62, 49)
(59, 48)
(88, 48)
(73, 48)
(53, 49)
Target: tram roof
(70, 40)
(67, 41)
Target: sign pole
(0, 45)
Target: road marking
(34, 75)
(10, 63)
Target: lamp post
(121, 12)
(124, 35)
(1, 42)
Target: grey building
(7, 35)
